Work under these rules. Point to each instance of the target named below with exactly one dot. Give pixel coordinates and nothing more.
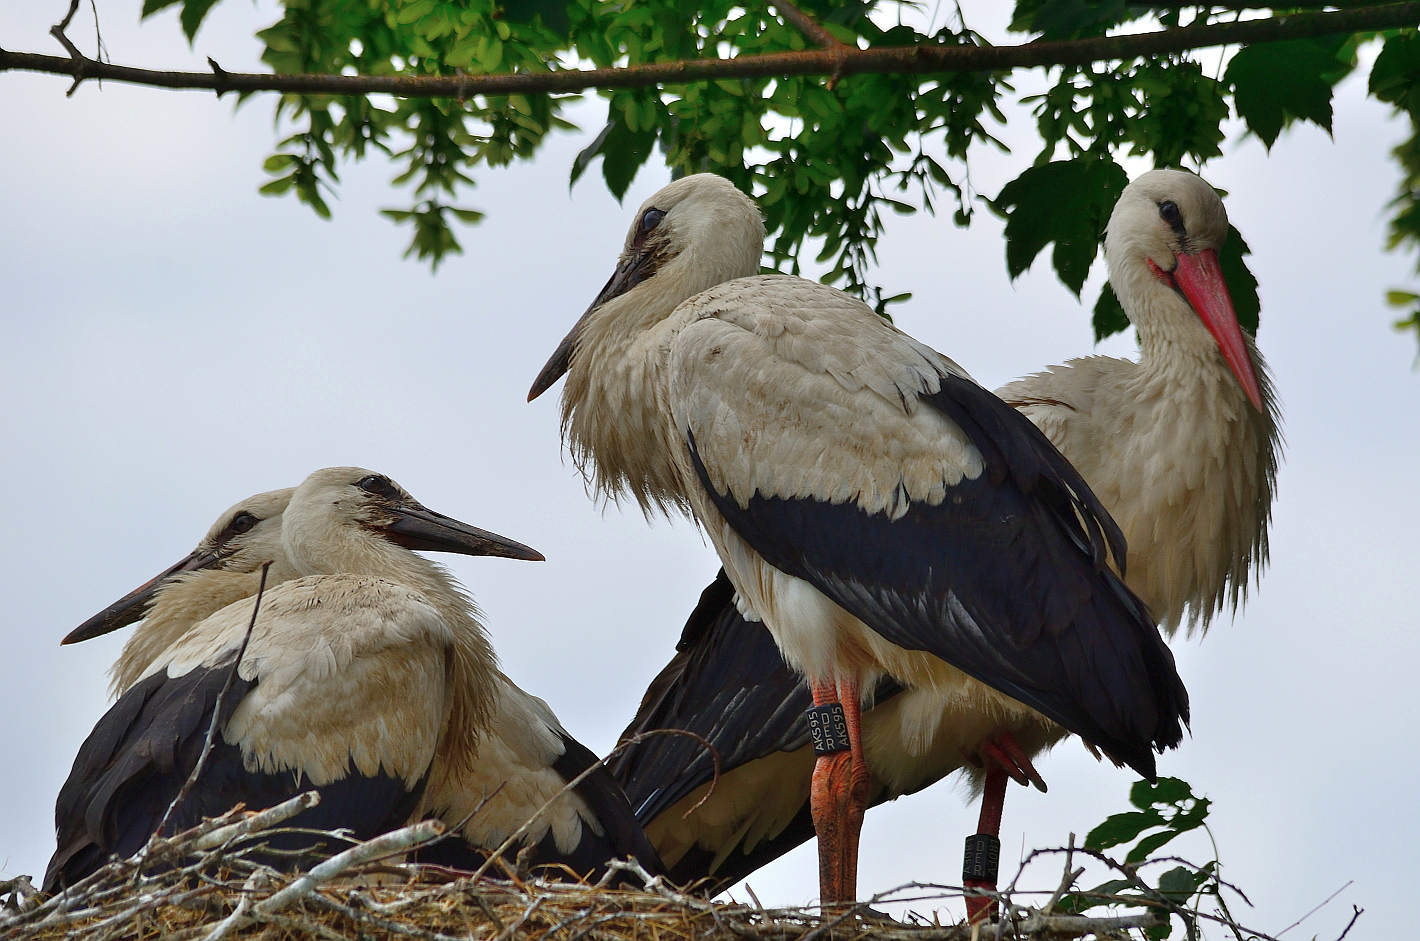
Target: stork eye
(377, 485)
(242, 523)
(650, 219)
(1169, 212)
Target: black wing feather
(1006, 579)
(730, 686)
(132, 766)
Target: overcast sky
(171, 342)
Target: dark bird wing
(132, 766)
(728, 685)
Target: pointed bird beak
(628, 274)
(1200, 278)
(415, 527)
(133, 606)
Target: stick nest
(204, 884)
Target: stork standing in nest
(1181, 447)
(876, 509)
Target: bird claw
(1003, 750)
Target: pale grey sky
(171, 342)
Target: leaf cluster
(1165, 810)
(829, 160)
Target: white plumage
(367, 662)
(1174, 446)
(878, 511)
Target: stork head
(1162, 248)
(244, 538)
(357, 521)
(695, 233)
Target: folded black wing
(132, 766)
(1006, 579)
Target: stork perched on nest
(1182, 449)
(877, 510)
(368, 675)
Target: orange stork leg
(839, 794)
(1005, 761)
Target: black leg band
(983, 853)
(828, 727)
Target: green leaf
(1280, 82)
(492, 55)
(469, 216)
(1068, 19)
(193, 13)
(623, 151)
(278, 162)
(1180, 883)
(1242, 285)
(1121, 828)
(153, 6)
(1109, 317)
(553, 13)
(1065, 202)
(1148, 844)
(1145, 795)
(1395, 77)
(589, 152)
(415, 11)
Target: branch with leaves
(834, 114)
(838, 59)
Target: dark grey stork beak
(415, 527)
(641, 265)
(133, 606)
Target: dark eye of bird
(242, 522)
(1169, 212)
(377, 485)
(651, 219)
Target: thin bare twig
(1356, 912)
(925, 58)
(1316, 909)
(810, 27)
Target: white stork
(881, 513)
(392, 674)
(1181, 447)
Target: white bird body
(1172, 446)
(1180, 458)
(826, 456)
(513, 780)
(347, 671)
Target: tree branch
(844, 60)
(805, 24)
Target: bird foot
(837, 800)
(1002, 750)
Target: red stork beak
(1200, 278)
